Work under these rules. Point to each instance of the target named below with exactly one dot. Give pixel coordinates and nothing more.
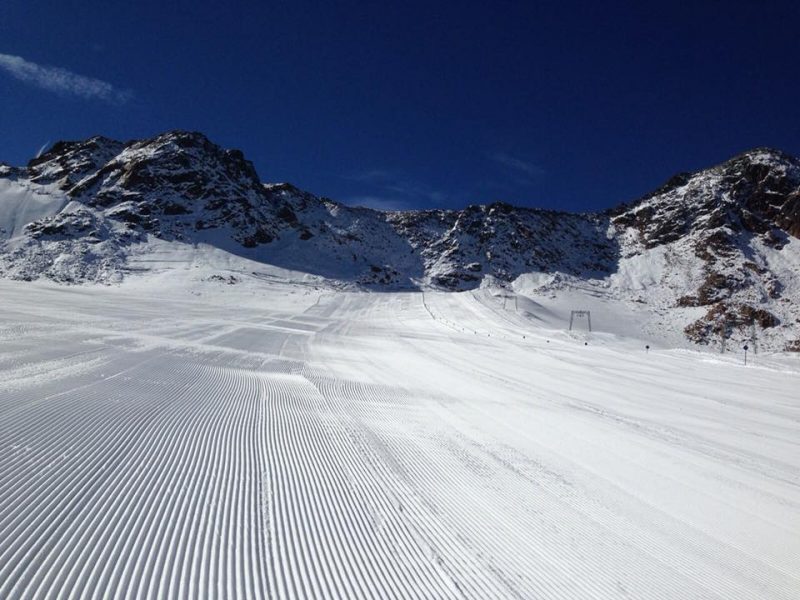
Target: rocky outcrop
(179, 186)
(728, 217)
(719, 232)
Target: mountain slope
(716, 250)
(728, 241)
(280, 441)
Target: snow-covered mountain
(87, 203)
(716, 250)
(723, 244)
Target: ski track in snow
(381, 446)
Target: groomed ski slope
(287, 441)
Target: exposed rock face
(719, 242)
(460, 247)
(67, 163)
(179, 186)
(755, 192)
(176, 186)
(168, 185)
(729, 217)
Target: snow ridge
(718, 248)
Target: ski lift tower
(580, 314)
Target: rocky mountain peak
(729, 217)
(757, 192)
(190, 150)
(707, 242)
(765, 185)
(66, 163)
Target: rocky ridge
(720, 245)
(734, 220)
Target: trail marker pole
(745, 355)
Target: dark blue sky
(575, 106)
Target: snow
(218, 428)
(23, 202)
(703, 257)
(232, 413)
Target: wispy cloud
(42, 148)
(62, 81)
(401, 190)
(527, 171)
(378, 203)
